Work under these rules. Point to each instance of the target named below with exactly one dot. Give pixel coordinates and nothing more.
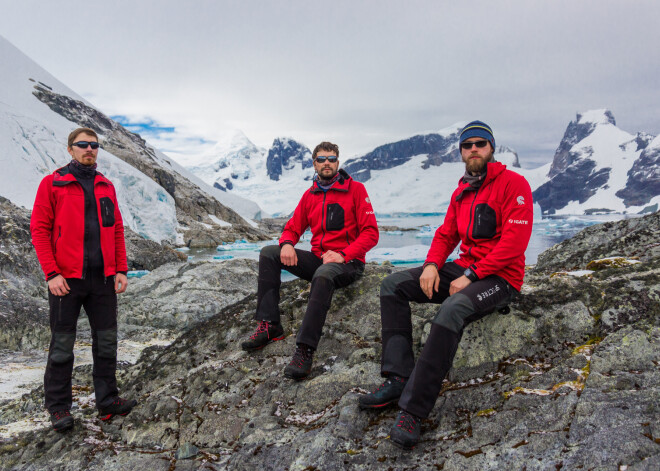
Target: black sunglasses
(468, 145)
(332, 159)
(84, 144)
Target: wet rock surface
(569, 379)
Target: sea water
(407, 238)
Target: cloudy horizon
(361, 74)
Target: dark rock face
(440, 149)
(23, 295)
(643, 178)
(578, 182)
(635, 237)
(285, 154)
(145, 254)
(554, 384)
(572, 176)
(575, 132)
(192, 204)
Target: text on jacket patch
(518, 221)
(489, 292)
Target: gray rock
(551, 385)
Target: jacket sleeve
(297, 225)
(517, 220)
(41, 227)
(367, 227)
(120, 245)
(445, 238)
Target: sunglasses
(332, 159)
(468, 145)
(84, 144)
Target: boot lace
(299, 356)
(60, 414)
(407, 421)
(263, 327)
(389, 380)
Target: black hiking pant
(325, 278)
(470, 304)
(96, 294)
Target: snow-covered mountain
(600, 168)
(597, 168)
(159, 198)
(276, 177)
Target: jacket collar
(493, 170)
(342, 184)
(63, 176)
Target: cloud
(357, 73)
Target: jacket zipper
(476, 193)
(59, 234)
(322, 221)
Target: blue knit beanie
(477, 129)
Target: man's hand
(121, 282)
(288, 256)
(430, 280)
(58, 286)
(332, 257)
(459, 284)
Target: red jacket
(58, 225)
(341, 219)
(493, 224)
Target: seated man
(490, 214)
(338, 211)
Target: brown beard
(477, 166)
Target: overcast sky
(358, 73)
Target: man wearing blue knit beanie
(490, 215)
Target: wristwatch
(470, 275)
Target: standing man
(338, 211)
(490, 214)
(78, 235)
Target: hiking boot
(61, 420)
(405, 431)
(118, 407)
(301, 363)
(387, 393)
(266, 332)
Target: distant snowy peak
(440, 147)
(286, 154)
(600, 168)
(583, 126)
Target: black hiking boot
(118, 407)
(61, 420)
(386, 394)
(406, 430)
(301, 363)
(266, 332)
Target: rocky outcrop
(194, 207)
(177, 297)
(23, 291)
(23, 306)
(286, 154)
(145, 254)
(636, 237)
(567, 380)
